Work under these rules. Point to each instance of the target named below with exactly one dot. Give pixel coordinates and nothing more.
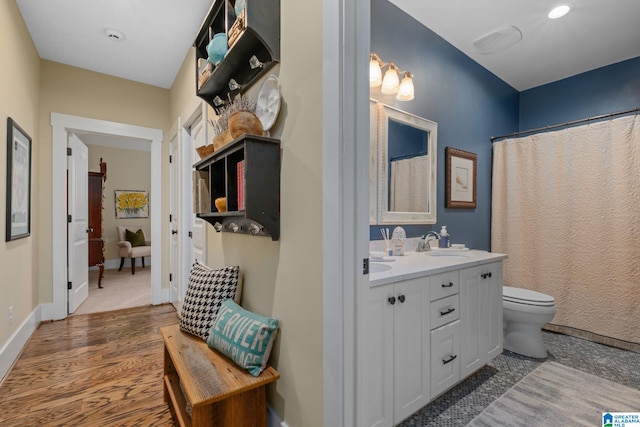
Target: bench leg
(142, 261)
(121, 263)
(133, 266)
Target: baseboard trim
(600, 339)
(12, 349)
(273, 419)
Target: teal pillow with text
(244, 337)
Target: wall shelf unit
(256, 186)
(254, 47)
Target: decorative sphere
(217, 48)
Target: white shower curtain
(407, 185)
(566, 210)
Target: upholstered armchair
(127, 250)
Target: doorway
(63, 125)
(128, 167)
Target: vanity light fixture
(375, 70)
(391, 83)
(405, 92)
(559, 12)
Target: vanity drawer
(444, 310)
(444, 284)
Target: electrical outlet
(10, 315)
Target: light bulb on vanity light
(406, 92)
(375, 72)
(391, 82)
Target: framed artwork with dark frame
(460, 179)
(18, 182)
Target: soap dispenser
(444, 238)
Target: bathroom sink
(376, 267)
(450, 252)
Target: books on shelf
(241, 185)
(200, 192)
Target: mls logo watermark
(621, 419)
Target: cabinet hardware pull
(444, 285)
(392, 300)
(444, 313)
(450, 359)
(485, 275)
(401, 298)
(174, 231)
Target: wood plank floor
(102, 369)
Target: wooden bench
(220, 392)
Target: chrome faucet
(423, 244)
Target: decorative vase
(217, 48)
(221, 204)
(244, 121)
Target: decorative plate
(268, 104)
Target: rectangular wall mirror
(403, 164)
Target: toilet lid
(526, 296)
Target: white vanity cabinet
(480, 316)
(445, 331)
(396, 373)
(427, 333)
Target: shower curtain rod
(559, 125)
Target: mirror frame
(379, 157)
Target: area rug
(120, 289)
(556, 395)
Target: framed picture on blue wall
(460, 179)
(18, 182)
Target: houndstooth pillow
(206, 291)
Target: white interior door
(78, 247)
(175, 278)
(197, 226)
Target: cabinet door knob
(450, 359)
(444, 285)
(392, 300)
(401, 298)
(174, 231)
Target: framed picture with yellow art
(460, 179)
(132, 204)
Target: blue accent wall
(469, 103)
(605, 90)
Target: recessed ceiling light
(114, 35)
(559, 11)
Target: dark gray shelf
(260, 38)
(261, 214)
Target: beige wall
(126, 170)
(70, 90)
(20, 88)
(283, 279)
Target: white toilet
(524, 314)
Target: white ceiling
(594, 34)
(158, 34)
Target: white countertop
(418, 264)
